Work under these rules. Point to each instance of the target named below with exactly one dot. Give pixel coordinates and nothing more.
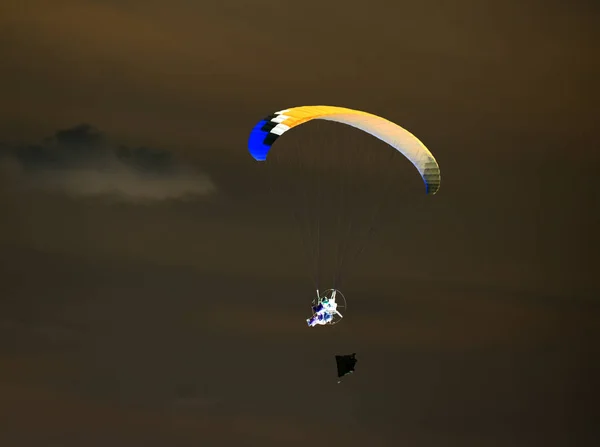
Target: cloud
(82, 162)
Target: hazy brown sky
(151, 295)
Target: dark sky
(151, 295)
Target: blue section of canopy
(256, 143)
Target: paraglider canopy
(345, 364)
(270, 128)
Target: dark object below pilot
(345, 364)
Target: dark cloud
(82, 162)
